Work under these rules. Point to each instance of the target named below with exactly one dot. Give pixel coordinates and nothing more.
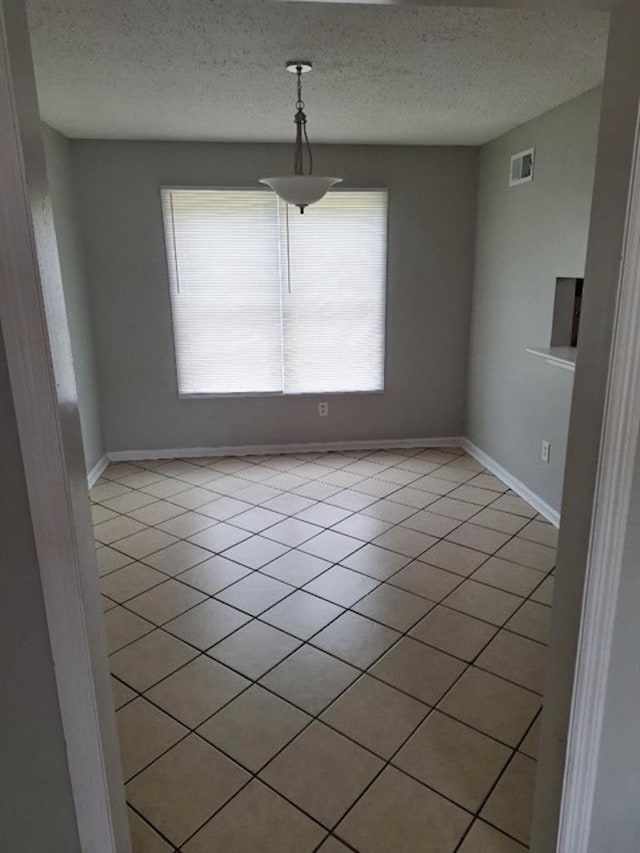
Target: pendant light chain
(300, 120)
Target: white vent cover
(522, 167)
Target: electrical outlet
(546, 451)
(323, 409)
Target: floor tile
(129, 581)
(540, 532)
(481, 497)
(301, 614)
(509, 806)
(322, 772)
(186, 524)
(219, 537)
(405, 541)
(530, 744)
(123, 627)
(433, 484)
(254, 727)
(257, 519)
(184, 787)
(453, 759)
(296, 568)
(413, 499)
(331, 546)
(332, 845)
(150, 659)
(397, 813)
(256, 552)
(323, 514)
(177, 558)
(166, 601)
(532, 620)
(478, 537)
(393, 607)
(431, 523)
(129, 502)
(115, 529)
(452, 508)
(310, 679)
(515, 505)
(455, 633)
(531, 554)
(156, 512)
(403, 505)
(375, 715)
(165, 488)
(494, 706)
(355, 639)
(197, 690)
(121, 693)
(144, 839)
(256, 494)
(483, 838)
(207, 623)
(109, 560)
(289, 504)
(214, 574)
(140, 479)
(292, 532)
(419, 670)
(508, 576)
(104, 491)
(454, 558)
(341, 586)
(350, 500)
(257, 819)
(254, 593)
(484, 602)
(487, 481)
(144, 733)
(376, 562)
(516, 659)
(223, 509)
(495, 519)
(362, 526)
(544, 593)
(254, 649)
(144, 543)
(428, 581)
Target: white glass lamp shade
(300, 190)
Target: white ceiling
(213, 69)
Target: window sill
(564, 357)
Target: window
(266, 301)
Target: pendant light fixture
(302, 188)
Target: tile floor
(324, 652)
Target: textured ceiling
(213, 70)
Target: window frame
(231, 395)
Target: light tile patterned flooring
(324, 652)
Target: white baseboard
(262, 449)
(516, 485)
(94, 474)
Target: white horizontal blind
(265, 300)
(225, 290)
(334, 316)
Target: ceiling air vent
(522, 167)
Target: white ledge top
(564, 357)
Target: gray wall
(63, 200)
(527, 237)
(432, 194)
(621, 98)
(36, 804)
